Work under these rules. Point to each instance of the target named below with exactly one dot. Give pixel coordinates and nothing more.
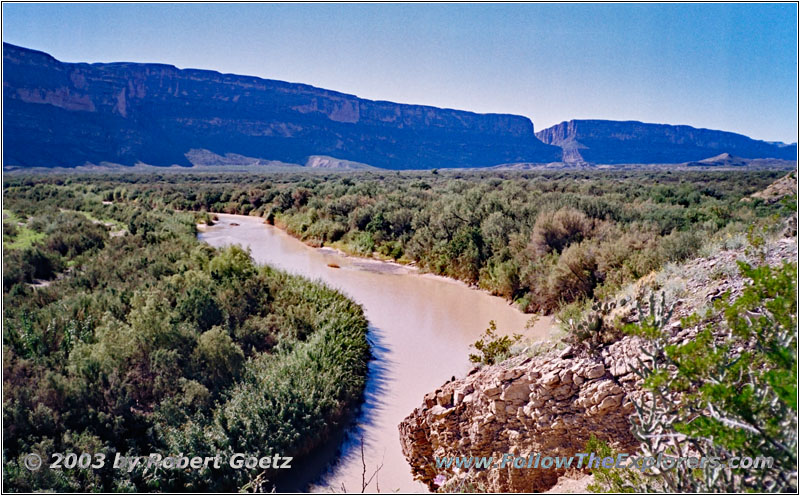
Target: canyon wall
(632, 142)
(66, 114)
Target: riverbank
(399, 265)
(421, 329)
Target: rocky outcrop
(632, 142)
(785, 186)
(552, 404)
(64, 114)
(549, 405)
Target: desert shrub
(377, 223)
(326, 231)
(76, 241)
(554, 231)
(680, 245)
(363, 243)
(497, 227)
(204, 218)
(491, 347)
(391, 249)
(231, 266)
(342, 206)
(464, 255)
(9, 230)
(217, 359)
(535, 276)
(730, 392)
(196, 302)
(258, 334)
(617, 255)
(502, 278)
(400, 221)
(15, 270)
(360, 217)
(300, 197)
(28, 264)
(576, 274)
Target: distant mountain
(65, 114)
(721, 160)
(322, 162)
(726, 160)
(632, 142)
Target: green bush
(680, 245)
(730, 392)
(23, 266)
(9, 230)
(491, 347)
(217, 359)
(576, 274)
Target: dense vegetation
(135, 338)
(541, 239)
(123, 333)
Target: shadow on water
(318, 466)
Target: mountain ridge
(131, 113)
(60, 114)
(630, 142)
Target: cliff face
(631, 142)
(63, 114)
(550, 405)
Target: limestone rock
(549, 404)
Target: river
(421, 327)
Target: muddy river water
(421, 327)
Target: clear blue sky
(731, 67)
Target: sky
(719, 66)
